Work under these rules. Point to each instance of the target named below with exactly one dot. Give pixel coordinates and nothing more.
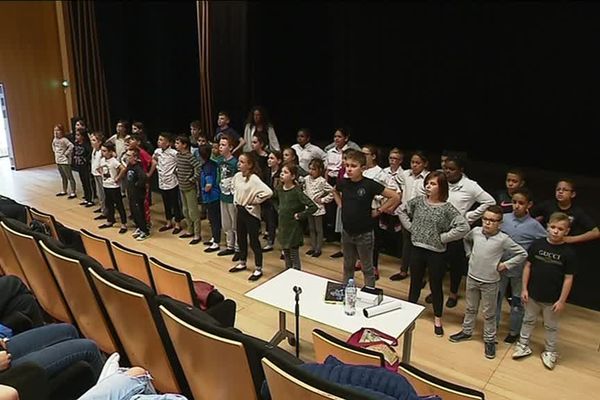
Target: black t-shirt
(580, 221)
(549, 265)
(505, 201)
(356, 204)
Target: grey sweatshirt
(485, 252)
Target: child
(118, 139)
(547, 281)
(356, 193)
(228, 167)
(432, 222)
(82, 153)
(148, 165)
(290, 157)
(211, 194)
(195, 131)
(411, 185)
(515, 179)
(305, 150)
(188, 172)
(395, 159)
(269, 212)
(63, 151)
(321, 192)
(523, 229)
(96, 139)
(136, 192)
(110, 169)
(258, 148)
(338, 227)
(166, 161)
(484, 246)
(249, 192)
(224, 128)
(292, 205)
(137, 128)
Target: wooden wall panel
(31, 70)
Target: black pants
(213, 212)
(330, 212)
(457, 261)
(85, 176)
(172, 204)
(136, 206)
(18, 308)
(113, 199)
(435, 264)
(248, 225)
(407, 249)
(269, 215)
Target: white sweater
(466, 192)
(250, 193)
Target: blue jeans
(54, 347)
(122, 387)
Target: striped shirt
(188, 170)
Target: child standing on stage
(321, 192)
(249, 192)
(96, 139)
(209, 190)
(269, 212)
(515, 179)
(228, 167)
(136, 192)
(166, 163)
(292, 205)
(63, 152)
(188, 173)
(82, 153)
(110, 168)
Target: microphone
(297, 289)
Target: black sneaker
(438, 331)
(511, 338)
(459, 337)
(226, 252)
(490, 350)
(451, 302)
(236, 256)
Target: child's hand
(501, 267)
(524, 296)
(208, 187)
(375, 213)
(4, 360)
(558, 306)
(3, 344)
(296, 216)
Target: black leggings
(113, 199)
(435, 264)
(248, 225)
(86, 182)
(457, 260)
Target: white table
(278, 292)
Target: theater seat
(98, 248)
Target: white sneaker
(549, 359)
(142, 236)
(136, 233)
(111, 366)
(521, 350)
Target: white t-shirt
(307, 153)
(110, 170)
(166, 161)
(96, 158)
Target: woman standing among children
(258, 122)
(249, 193)
(433, 222)
(82, 154)
(293, 205)
(321, 192)
(110, 169)
(63, 152)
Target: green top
(289, 202)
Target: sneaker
(83, 203)
(459, 337)
(137, 233)
(142, 236)
(238, 267)
(490, 350)
(226, 252)
(451, 302)
(89, 204)
(267, 248)
(337, 255)
(549, 359)
(212, 248)
(521, 350)
(111, 366)
(209, 242)
(310, 252)
(71, 196)
(60, 194)
(236, 257)
(255, 275)
(511, 338)
(438, 331)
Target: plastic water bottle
(350, 298)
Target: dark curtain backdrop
(150, 55)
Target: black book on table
(334, 292)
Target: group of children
(342, 189)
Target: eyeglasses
(490, 220)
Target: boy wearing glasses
(484, 247)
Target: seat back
(38, 274)
(46, 219)
(282, 385)
(98, 248)
(207, 358)
(79, 295)
(426, 384)
(132, 263)
(135, 325)
(325, 345)
(172, 282)
(8, 260)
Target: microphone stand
(297, 291)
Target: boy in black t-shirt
(356, 193)
(547, 281)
